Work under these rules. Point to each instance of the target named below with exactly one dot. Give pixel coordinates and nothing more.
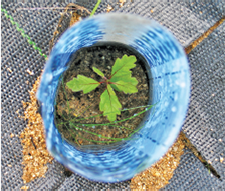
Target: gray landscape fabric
(204, 124)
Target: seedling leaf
(97, 71)
(110, 104)
(122, 66)
(82, 83)
(126, 87)
(121, 79)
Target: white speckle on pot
(166, 104)
(182, 84)
(160, 83)
(48, 77)
(175, 97)
(173, 109)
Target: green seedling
(120, 80)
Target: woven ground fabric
(190, 175)
(18, 56)
(204, 124)
(186, 21)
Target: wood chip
(121, 2)
(30, 72)
(109, 8)
(9, 70)
(24, 188)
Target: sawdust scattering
(160, 173)
(35, 154)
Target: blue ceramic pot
(171, 89)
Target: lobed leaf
(121, 79)
(97, 71)
(122, 66)
(82, 83)
(110, 104)
(126, 87)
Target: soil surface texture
(76, 109)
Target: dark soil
(85, 105)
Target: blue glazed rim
(171, 90)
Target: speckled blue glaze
(171, 89)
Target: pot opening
(77, 115)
